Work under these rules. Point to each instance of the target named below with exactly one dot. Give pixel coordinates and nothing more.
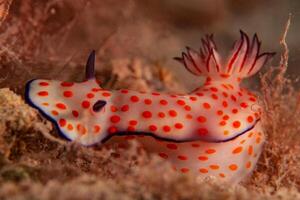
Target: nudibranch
(213, 131)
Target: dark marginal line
(126, 133)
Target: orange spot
(96, 89)
(196, 145)
(233, 167)
(167, 128)
(54, 112)
(134, 99)
(193, 98)
(225, 94)
(225, 86)
(106, 94)
(152, 128)
(234, 111)
(203, 170)
(81, 129)
(214, 89)
(172, 113)
(70, 127)
(184, 170)
(75, 113)
(113, 109)
(243, 141)
(225, 104)
(222, 123)
(68, 94)
(43, 83)
(203, 158)
(85, 104)
(250, 119)
(182, 157)
(233, 98)
(214, 167)
(115, 119)
(187, 108)
(133, 122)
(222, 175)
(147, 101)
(161, 115)
(188, 116)
(248, 164)
(206, 105)
(202, 131)
(163, 155)
(155, 93)
(250, 134)
(250, 150)
(178, 125)
(237, 150)
(62, 122)
(43, 93)
(214, 96)
(236, 124)
(61, 106)
(226, 132)
(244, 105)
(259, 133)
(112, 129)
(131, 128)
(97, 128)
(147, 114)
(210, 151)
(220, 112)
(230, 86)
(90, 95)
(163, 102)
(172, 146)
(201, 119)
(125, 108)
(225, 117)
(257, 140)
(66, 84)
(124, 91)
(46, 104)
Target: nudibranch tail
(244, 61)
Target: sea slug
(213, 131)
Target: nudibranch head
(214, 131)
(71, 106)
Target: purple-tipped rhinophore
(90, 66)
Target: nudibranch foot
(228, 161)
(214, 130)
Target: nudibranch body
(213, 131)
